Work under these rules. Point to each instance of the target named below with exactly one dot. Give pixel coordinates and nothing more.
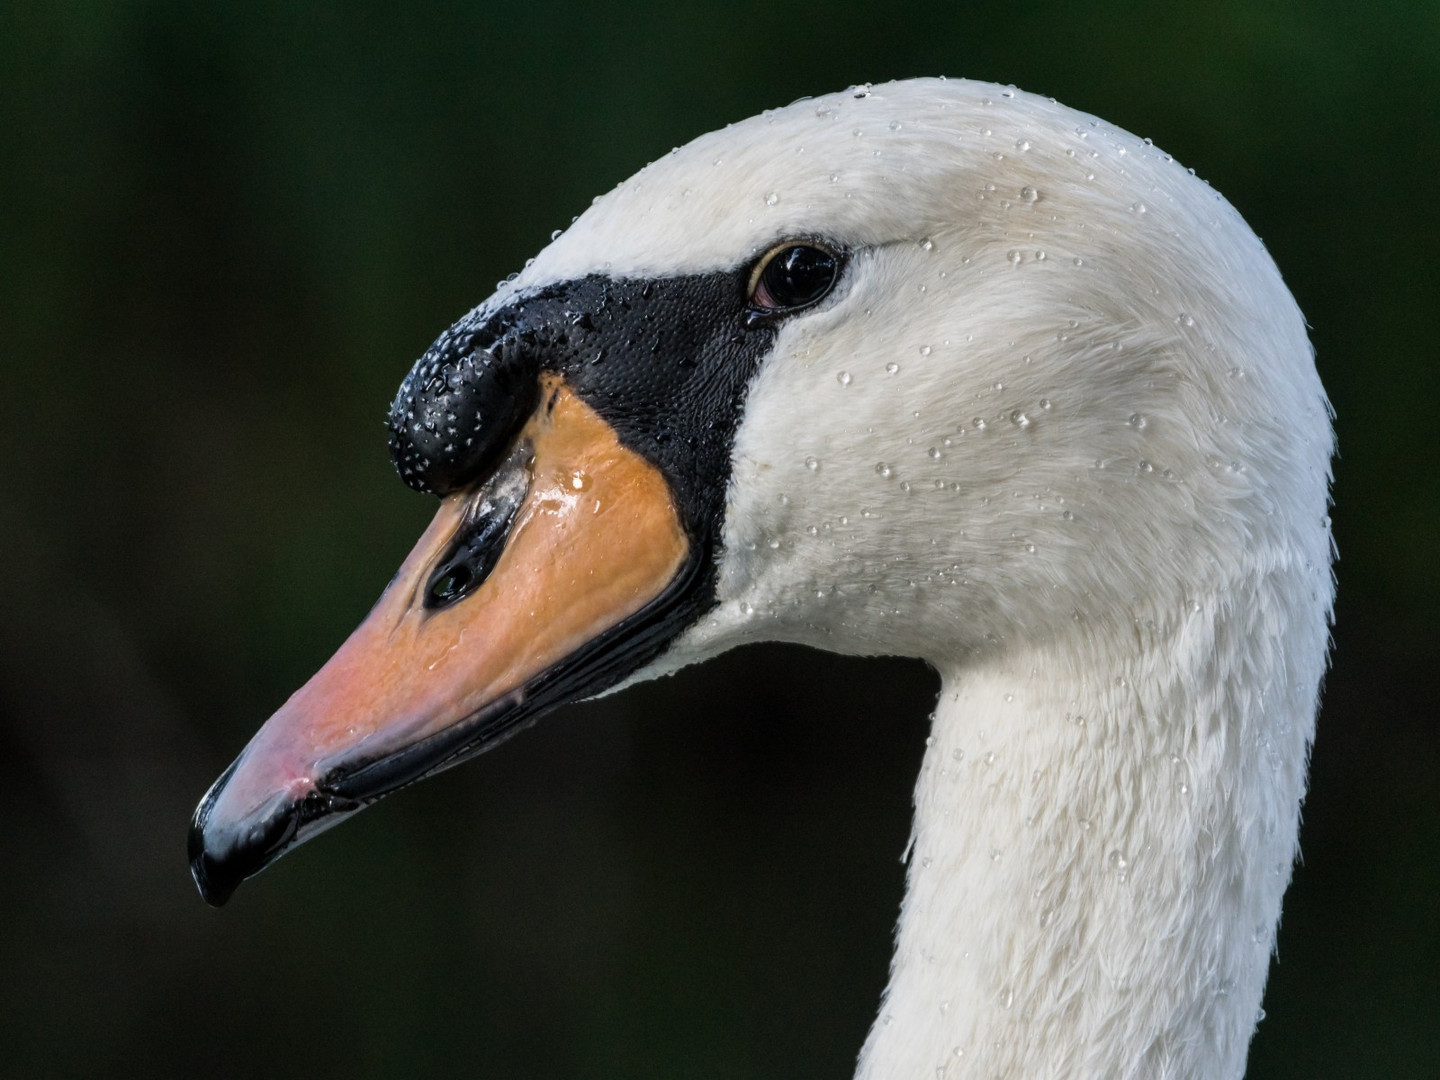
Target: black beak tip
(223, 853)
(215, 883)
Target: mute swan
(935, 368)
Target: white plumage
(1058, 432)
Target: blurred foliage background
(226, 231)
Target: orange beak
(472, 639)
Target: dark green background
(226, 231)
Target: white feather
(1059, 432)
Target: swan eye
(793, 276)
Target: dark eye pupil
(798, 276)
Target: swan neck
(1100, 846)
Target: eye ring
(793, 275)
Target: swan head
(935, 368)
